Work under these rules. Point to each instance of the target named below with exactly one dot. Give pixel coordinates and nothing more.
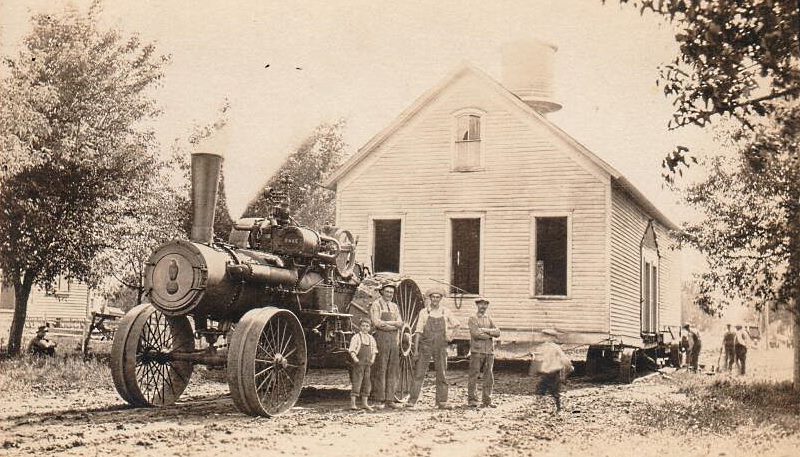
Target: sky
(365, 61)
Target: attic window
(467, 156)
(469, 128)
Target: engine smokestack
(205, 182)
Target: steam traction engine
(272, 300)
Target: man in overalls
(387, 321)
(431, 336)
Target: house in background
(65, 307)
(472, 185)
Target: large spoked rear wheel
(410, 302)
(267, 362)
(143, 371)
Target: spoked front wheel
(142, 367)
(267, 362)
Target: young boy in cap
(387, 321)
(482, 332)
(552, 362)
(363, 350)
(431, 335)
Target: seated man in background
(40, 345)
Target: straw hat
(481, 300)
(435, 290)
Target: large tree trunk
(794, 271)
(22, 291)
(796, 341)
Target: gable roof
(616, 177)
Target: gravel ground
(656, 415)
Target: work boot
(353, 403)
(365, 404)
(394, 405)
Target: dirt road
(653, 416)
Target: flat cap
(435, 290)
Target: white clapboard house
(64, 306)
(472, 185)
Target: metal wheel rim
(410, 302)
(269, 362)
(235, 358)
(278, 364)
(118, 345)
(150, 377)
(345, 263)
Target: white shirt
(552, 357)
(356, 342)
(450, 322)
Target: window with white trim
(386, 245)
(6, 296)
(467, 142)
(649, 282)
(61, 287)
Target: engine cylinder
(296, 241)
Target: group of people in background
(734, 345)
(734, 348)
(376, 356)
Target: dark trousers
(385, 371)
(694, 356)
(360, 377)
(480, 363)
(550, 383)
(730, 357)
(439, 355)
(741, 357)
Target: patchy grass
(32, 374)
(768, 397)
(722, 405)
